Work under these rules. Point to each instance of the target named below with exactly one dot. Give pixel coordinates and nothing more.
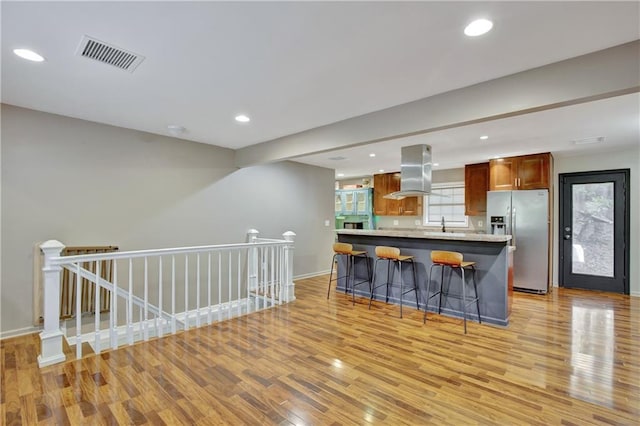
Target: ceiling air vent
(109, 54)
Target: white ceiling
(293, 66)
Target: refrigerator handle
(507, 218)
(513, 226)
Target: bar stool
(346, 249)
(392, 254)
(453, 260)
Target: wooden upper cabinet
(380, 189)
(411, 206)
(503, 174)
(476, 185)
(534, 171)
(387, 183)
(524, 172)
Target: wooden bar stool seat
(454, 261)
(346, 249)
(392, 254)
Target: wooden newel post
(252, 265)
(289, 290)
(51, 337)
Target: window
(446, 200)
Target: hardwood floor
(571, 357)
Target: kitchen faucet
(443, 228)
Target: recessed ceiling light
(29, 55)
(372, 155)
(478, 27)
(340, 174)
(484, 137)
(436, 164)
(381, 170)
(242, 118)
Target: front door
(594, 230)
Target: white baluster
(273, 276)
(159, 327)
(173, 294)
(186, 292)
(78, 313)
(130, 305)
(219, 285)
(198, 290)
(229, 295)
(113, 312)
(281, 282)
(209, 287)
(239, 280)
(145, 325)
(97, 308)
(263, 279)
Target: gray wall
(627, 159)
(84, 183)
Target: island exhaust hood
(415, 172)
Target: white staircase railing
(160, 291)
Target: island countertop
(429, 235)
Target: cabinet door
(379, 191)
(339, 203)
(393, 185)
(503, 174)
(476, 185)
(361, 201)
(534, 171)
(411, 206)
(349, 202)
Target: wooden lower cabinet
(476, 185)
(387, 183)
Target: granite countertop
(429, 235)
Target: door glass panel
(338, 203)
(592, 229)
(348, 204)
(361, 198)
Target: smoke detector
(109, 54)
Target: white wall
(85, 183)
(627, 159)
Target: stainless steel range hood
(415, 172)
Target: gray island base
(494, 273)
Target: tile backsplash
(409, 222)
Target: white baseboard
(635, 293)
(311, 274)
(19, 332)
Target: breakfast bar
(492, 254)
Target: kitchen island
(492, 254)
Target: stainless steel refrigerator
(525, 216)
